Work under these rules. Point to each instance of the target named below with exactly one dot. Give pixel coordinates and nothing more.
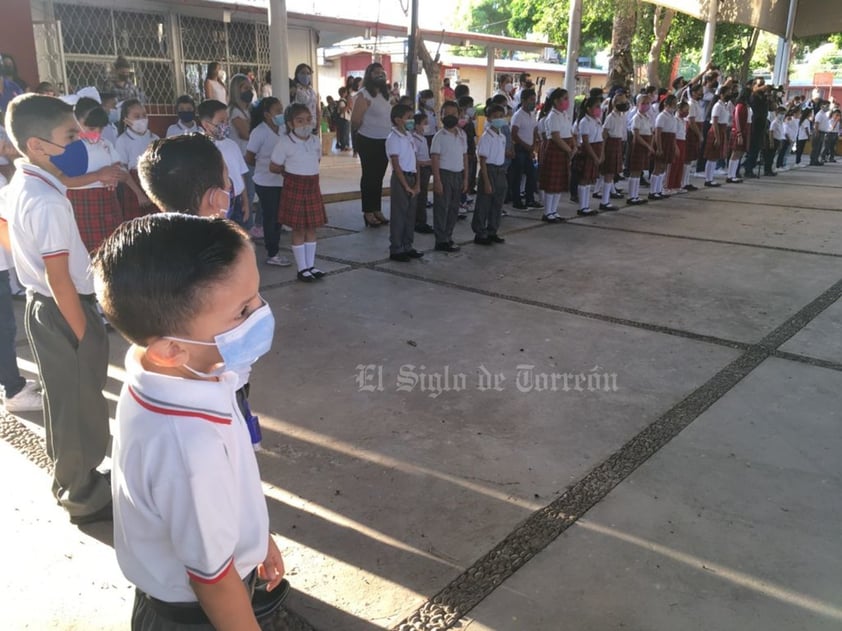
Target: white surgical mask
(303, 132)
(139, 126)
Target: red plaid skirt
(720, 152)
(691, 148)
(741, 143)
(613, 162)
(640, 156)
(677, 165)
(590, 169)
(667, 147)
(131, 207)
(554, 174)
(301, 202)
(97, 212)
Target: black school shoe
(317, 273)
(584, 212)
(415, 254)
(306, 276)
(482, 240)
(401, 257)
(496, 239)
(713, 184)
(690, 188)
(424, 229)
(446, 247)
(734, 180)
(607, 207)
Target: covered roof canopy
(813, 17)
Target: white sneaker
(27, 400)
(278, 261)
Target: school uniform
(425, 172)
(110, 133)
(301, 206)
(821, 126)
(805, 130)
(778, 130)
(403, 215)
(267, 185)
(130, 146)
(615, 128)
(740, 123)
(639, 160)
(237, 171)
(666, 122)
(97, 208)
(73, 372)
(592, 128)
(451, 147)
(489, 206)
(831, 139)
(523, 163)
(432, 126)
(188, 501)
(676, 176)
(555, 169)
(721, 114)
(179, 129)
(692, 148)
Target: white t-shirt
(642, 124)
(697, 110)
(100, 154)
(109, 132)
(721, 112)
(451, 148)
(592, 128)
(217, 91)
(422, 150)
(401, 144)
(777, 129)
(541, 127)
(804, 129)
(234, 113)
(822, 121)
(432, 125)
(131, 146)
(261, 143)
(615, 124)
(525, 123)
(680, 127)
(791, 127)
(492, 147)
(179, 128)
(41, 226)
(298, 157)
(188, 501)
(377, 120)
(666, 122)
(559, 122)
(306, 95)
(266, 90)
(237, 166)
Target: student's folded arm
(276, 168)
(250, 158)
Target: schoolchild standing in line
(133, 140)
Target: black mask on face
(450, 121)
(622, 107)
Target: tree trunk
(661, 26)
(432, 69)
(621, 64)
(748, 53)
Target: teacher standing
(371, 119)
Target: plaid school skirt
(640, 156)
(717, 153)
(613, 162)
(131, 207)
(97, 212)
(667, 147)
(590, 169)
(302, 206)
(554, 173)
(741, 143)
(691, 146)
(677, 165)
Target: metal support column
(278, 50)
(710, 33)
(573, 38)
(411, 53)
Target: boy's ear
(167, 353)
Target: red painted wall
(18, 40)
(360, 61)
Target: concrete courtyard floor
(623, 422)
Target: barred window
(142, 34)
(86, 30)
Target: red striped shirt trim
(54, 255)
(215, 579)
(42, 178)
(172, 412)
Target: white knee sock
(550, 203)
(599, 184)
(606, 194)
(685, 178)
(298, 251)
(733, 165)
(634, 187)
(310, 250)
(584, 202)
(710, 167)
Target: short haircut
(45, 86)
(153, 272)
(426, 94)
(34, 116)
(83, 106)
(176, 172)
(449, 104)
(94, 118)
(107, 96)
(399, 111)
(494, 108)
(465, 101)
(461, 90)
(527, 93)
(208, 109)
(419, 118)
(184, 99)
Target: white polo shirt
(680, 127)
(109, 132)
(791, 127)
(400, 144)
(130, 147)
(100, 154)
(525, 123)
(451, 148)
(188, 502)
(261, 143)
(559, 122)
(592, 128)
(642, 124)
(777, 129)
(42, 226)
(822, 121)
(666, 122)
(237, 166)
(615, 124)
(697, 110)
(721, 113)
(179, 128)
(298, 156)
(422, 150)
(236, 112)
(492, 147)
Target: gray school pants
(401, 215)
(446, 205)
(73, 374)
(488, 207)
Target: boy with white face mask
(192, 527)
(427, 107)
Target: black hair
(670, 99)
(267, 78)
(461, 90)
(45, 86)
(425, 94)
(107, 96)
(258, 112)
(399, 111)
(526, 93)
(294, 110)
(449, 104)
(373, 88)
(465, 101)
(34, 116)
(499, 99)
(301, 67)
(214, 65)
(208, 109)
(97, 118)
(153, 272)
(176, 172)
(83, 106)
(494, 108)
(124, 112)
(185, 99)
(420, 116)
(406, 100)
(546, 107)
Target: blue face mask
(497, 123)
(74, 161)
(187, 117)
(278, 119)
(114, 116)
(303, 78)
(241, 346)
(409, 125)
